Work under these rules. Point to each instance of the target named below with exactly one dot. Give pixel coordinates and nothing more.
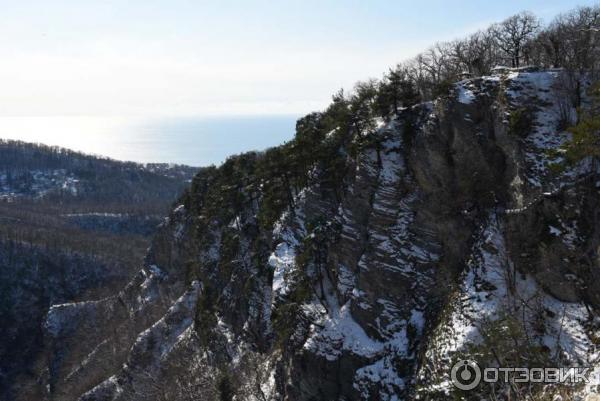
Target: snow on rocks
(490, 290)
(382, 374)
(288, 231)
(465, 93)
(168, 329)
(282, 260)
(483, 289)
(63, 318)
(525, 89)
(339, 333)
(149, 290)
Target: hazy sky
(180, 57)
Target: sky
(197, 58)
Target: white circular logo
(465, 375)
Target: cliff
(358, 262)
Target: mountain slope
(358, 262)
(72, 227)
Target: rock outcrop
(440, 235)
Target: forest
(72, 227)
(569, 41)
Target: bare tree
(437, 62)
(512, 35)
(580, 38)
(474, 54)
(415, 70)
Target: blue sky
(176, 57)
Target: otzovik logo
(465, 375)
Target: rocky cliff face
(31, 279)
(440, 235)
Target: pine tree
(585, 141)
(395, 91)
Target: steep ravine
(398, 253)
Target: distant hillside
(35, 171)
(58, 198)
(72, 227)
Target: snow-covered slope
(442, 235)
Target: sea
(194, 141)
